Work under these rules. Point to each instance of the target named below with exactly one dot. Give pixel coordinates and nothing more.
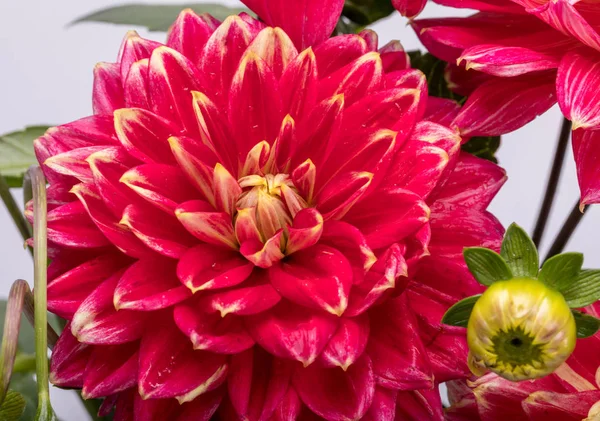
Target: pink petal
(169, 366)
(190, 32)
(300, 72)
(264, 255)
(587, 153)
(319, 277)
(203, 407)
(69, 358)
(394, 57)
(73, 163)
(209, 267)
(420, 404)
(98, 322)
(336, 52)
(108, 88)
(348, 343)
(305, 231)
(292, 332)
(503, 105)
(578, 75)
(134, 48)
(335, 394)
(227, 189)
(110, 370)
(441, 110)
(383, 406)
(222, 335)
(275, 48)
(547, 405)
(342, 193)
(409, 8)
(201, 220)
(307, 22)
(150, 284)
(70, 226)
(135, 87)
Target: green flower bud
(520, 329)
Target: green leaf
(156, 17)
(459, 313)
(520, 253)
(483, 147)
(486, 265)
(584, 290)
(365, 12)
(13, 406)
(560, 270)
(586, 325)
(16, 153)
(25, 385)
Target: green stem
(14, 210)
(40, 262)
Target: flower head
(520, 329)
(234, 227)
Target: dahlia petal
(393, 57)
(135, 87)
(171, 79)
(319, 277)
(382, 277)
(348, 342)
(298, 84)
(168, 238)
(197, 162)
(399, 357)
(289, 408)
(254, 105)
(246, 226)
(305, 231)
(203, 407)
(257, 384)
(134, 48)
(304, 178)
(208, 267)
(170, 367)
(307, 22)
(227, 190)
(67, 291)
(324, 122)
(586, 151)
(151, 409)
(107, 166)
(222, 54)
(484, 5)
(441, 110)
(335, 394)
(144, 135)
(70, 226)
(201, 220)
(371, 38)
(253, 299)
(338, 51)
(354, 80)
(69, 358)
(150, 284)
(292, 332)
(106, 376)
(473, 183)
(119, 235)
(108, 88)
(264, 255)
(73, 163)
(342, 193)
(420, 405)
(222, 335)
(522, 99)
(383, 406)
(190, 32)
(409, 8)
(97, 322)
(462, 81)
(542, 405)
(276, 49)
(578, 75)
(388, 216)
(507, 61)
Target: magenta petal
(150, 284)
(98, 322)
(292, 332)
(576, 83)
(383, 406)
(70, 225)
(203, 407)
(336, 52)
(106, 376)
(302, 71)
(203, 222)
(586, 148)
(409, 8)
(209, 267)
(276, 49)
(169, 366)
(190, 32)
(74, 163)
(264, 255)
(319, 277)
(352, 243)
(222, 335)
(348, 342)
(305, 231)
(135, 87)
(420, 405)
(108, 88)
(307, 22)
(134, 48)
(335, 394)
(69, 358)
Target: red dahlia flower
(270, 232)
(524, 55)
(571, 393)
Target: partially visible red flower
(262, 231)
(571, 393)
(523, 56)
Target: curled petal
(276, 49)
(107, 376)
(264, 255)
(74, 163)
(134, 48)
(348, 342)
(409, 8)
(201, 220)
(342, 193)
(69, 358)
(305, 231)
(70, 225)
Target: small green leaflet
(520, 253)
(584, 290)
(486, 265)
(586, 325)
(156, 17)
(561, 270)
(16, 153)
(459, 313)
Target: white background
(46, 78)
